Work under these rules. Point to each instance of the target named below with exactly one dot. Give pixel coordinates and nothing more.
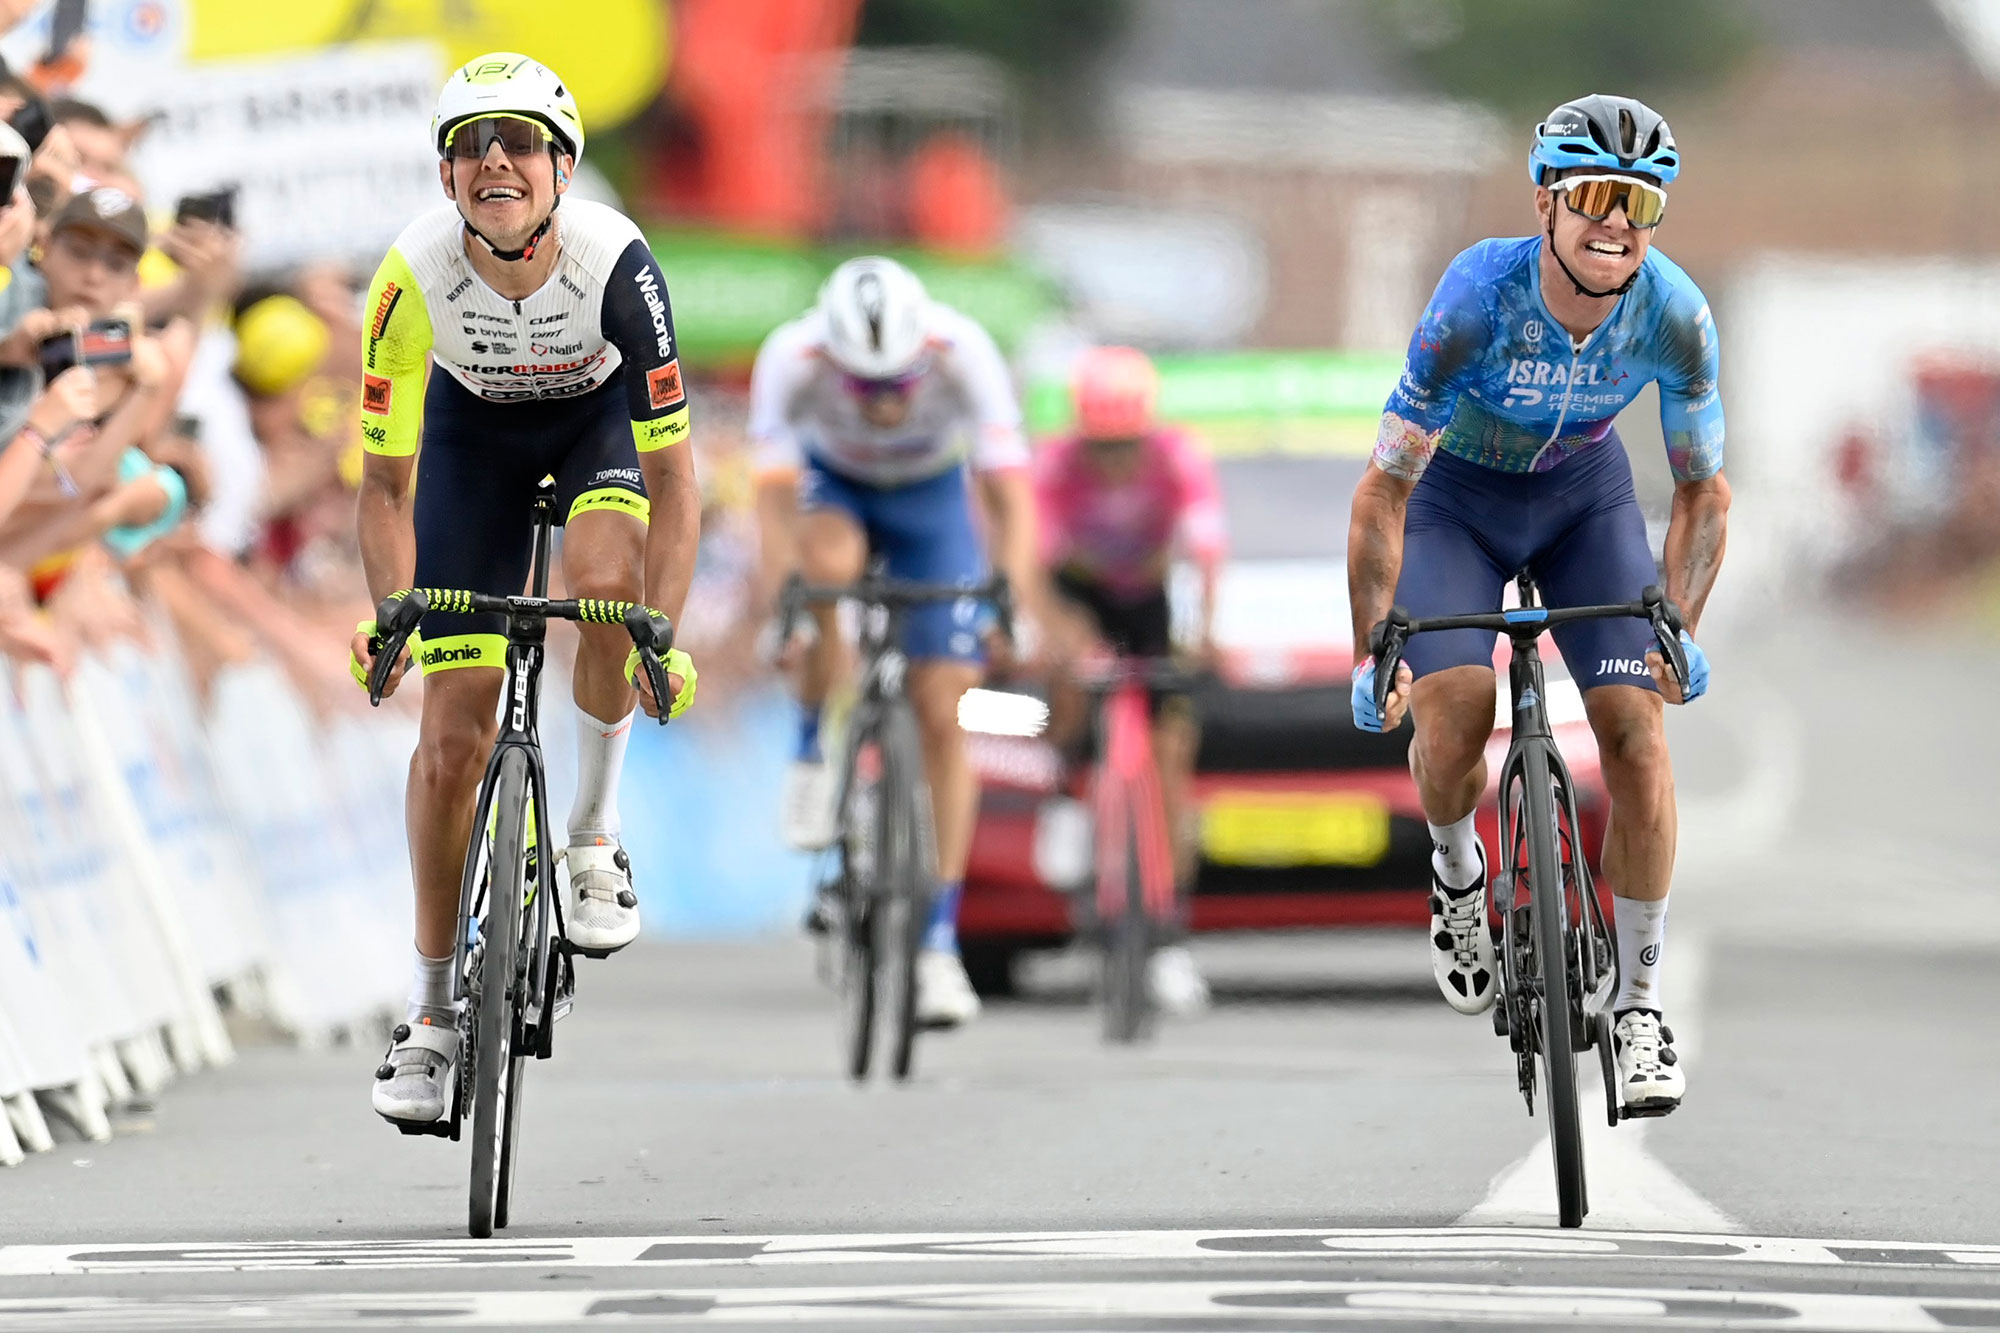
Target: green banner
(1259, 402)
(729, 291)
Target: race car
(1305, 821)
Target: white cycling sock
(1642, 930)
(1455, 854)
(430, 986)
(600, 758)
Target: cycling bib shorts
(925, 531)
(1576, 528)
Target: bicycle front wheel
(1127, 949)
(909, 860)
(495, 1066)
(1554, 1030)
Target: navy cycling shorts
(925, 531)
(1576, 528)
(477, 473)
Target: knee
(1449, 746)
(1633, 752)
(607, 580)
(452, 755)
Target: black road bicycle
(513, 973)
(1558, 953)
(883, 875)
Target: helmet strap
(527, 251)
(1575, 281)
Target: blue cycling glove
(1366, 715)
(1697, 669)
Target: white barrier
(155, 855)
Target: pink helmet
(1116, 390)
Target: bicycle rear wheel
(908, 860)
(495, 1065)
(1555, 1029)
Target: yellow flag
(612, 53)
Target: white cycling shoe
(600, 909)
(810, 821)
(1462, 956)
(1650, 1081)
(414, 1078)
(945, 998)
(1175, 983)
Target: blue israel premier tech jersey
(1492, 371)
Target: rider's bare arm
(675, 529)
(1375, 525)
(1697, 532)
(384, 523)
(1008, 494)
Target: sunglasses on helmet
(517, 137)
(1595, 196)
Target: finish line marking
(646, 1252)
(1077, 1304)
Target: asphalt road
(1331, 1146)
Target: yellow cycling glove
(355, 666)
(675, 661)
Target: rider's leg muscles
(455, 736)
(603, 554)
(833, 549)
(936, 686)
(1640, 833)
(1176, 737)
(1603, 557)
(1453, 710)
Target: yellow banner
(612, 53)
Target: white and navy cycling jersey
(962, 408)
(604, 306)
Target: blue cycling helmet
(1601, 130)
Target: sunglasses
(1595, 196)
(517, 137)
(862, 387)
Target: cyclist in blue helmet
(1497, 453)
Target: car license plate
(1348, 830)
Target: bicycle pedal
(1647, 1110)
(578, 951)
(440, 1127)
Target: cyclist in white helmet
(873, 415)
(553, 347)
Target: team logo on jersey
(1532, 330)
(375, 391)
(383, 308)
(663, 385)
(656, 309)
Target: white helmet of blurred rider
(506, 83)
(877, 318)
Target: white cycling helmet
(877, 318)
(505, 83)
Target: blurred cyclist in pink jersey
(1116, 500)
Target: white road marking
(648, 1253)
(1246, 1302)
(1629, 1188)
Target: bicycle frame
(1531, 731)
(520, 730)
(1127, 788)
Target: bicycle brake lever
(396, 618)
(1385, 645)
(1667, 627)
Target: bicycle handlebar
(397, 617)
(881, 590)
(1387, 639)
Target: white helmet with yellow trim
(506, 83)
